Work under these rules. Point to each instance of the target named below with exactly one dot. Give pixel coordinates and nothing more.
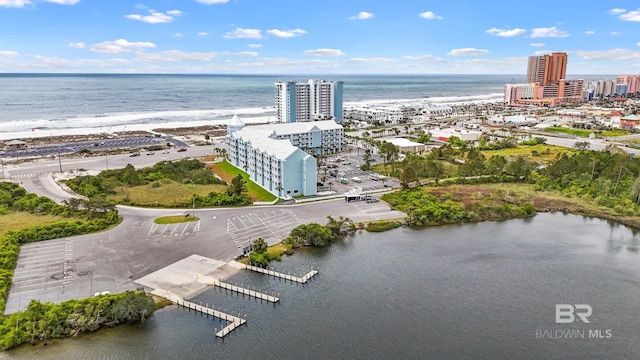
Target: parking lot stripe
(185, 229)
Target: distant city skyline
(320, 37)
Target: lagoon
(482, 290)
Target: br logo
(566, 313)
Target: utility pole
(193, 211)
(60, 162)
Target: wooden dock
(280, 275)
(232, 321)
(253, 293)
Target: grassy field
(540, 149)
(615, 132)
(227, 172)
(576, 132)
(175, 219)
(20, 220)
(167, 194)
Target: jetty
(232, 321)
(284, 276)
(243, 291)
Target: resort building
(313, 100)
(546, 84)
(277, 156)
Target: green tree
(238, 185)
(309, 235)
(388, 151)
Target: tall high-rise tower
(298, 102)
(547, 68)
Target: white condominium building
(313, 100)
(273, 154)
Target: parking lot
(271, 225)
(348, 168)
(173, 230)
(107, 144)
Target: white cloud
(203, 33)
(8, 53)
(178, 35)
(212, 2)
(174, 56)
(630, 16)
(506, 33)
(548, 32)
(63, 2)
(589, 32)
(614, 33)
(537, 44)
(362, 15)
(613, 54)
(369, 60)
(254, 46)
(423, 58)
(155, 17)
(14, 3)
(468, 52)
(120, 46)
(430, 15)
(245, 53)
(638, 43)
(77, 45)
(616, 11)
(240, 33)
(324, 52)
(285, 33)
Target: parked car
(150, 153)
(182, 149)
(134, 154)
(165, 152)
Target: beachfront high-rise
(546, 84)
(547, 68)
(310, 101)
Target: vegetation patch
(18, 220)
(164, 193)
(540, 152)
(227, 172)
(576, 132)
(46, 321)
(380, 226)
(175, 219)
(166, 184)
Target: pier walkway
(289, 277)
(253, 293)
(232, 321)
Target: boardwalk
(289, 277)
(253, 293)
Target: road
(37, 176)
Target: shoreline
(125, 122)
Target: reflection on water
(463, 291)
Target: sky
(316, 36)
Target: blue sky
(316, 36)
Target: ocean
(35, 105)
